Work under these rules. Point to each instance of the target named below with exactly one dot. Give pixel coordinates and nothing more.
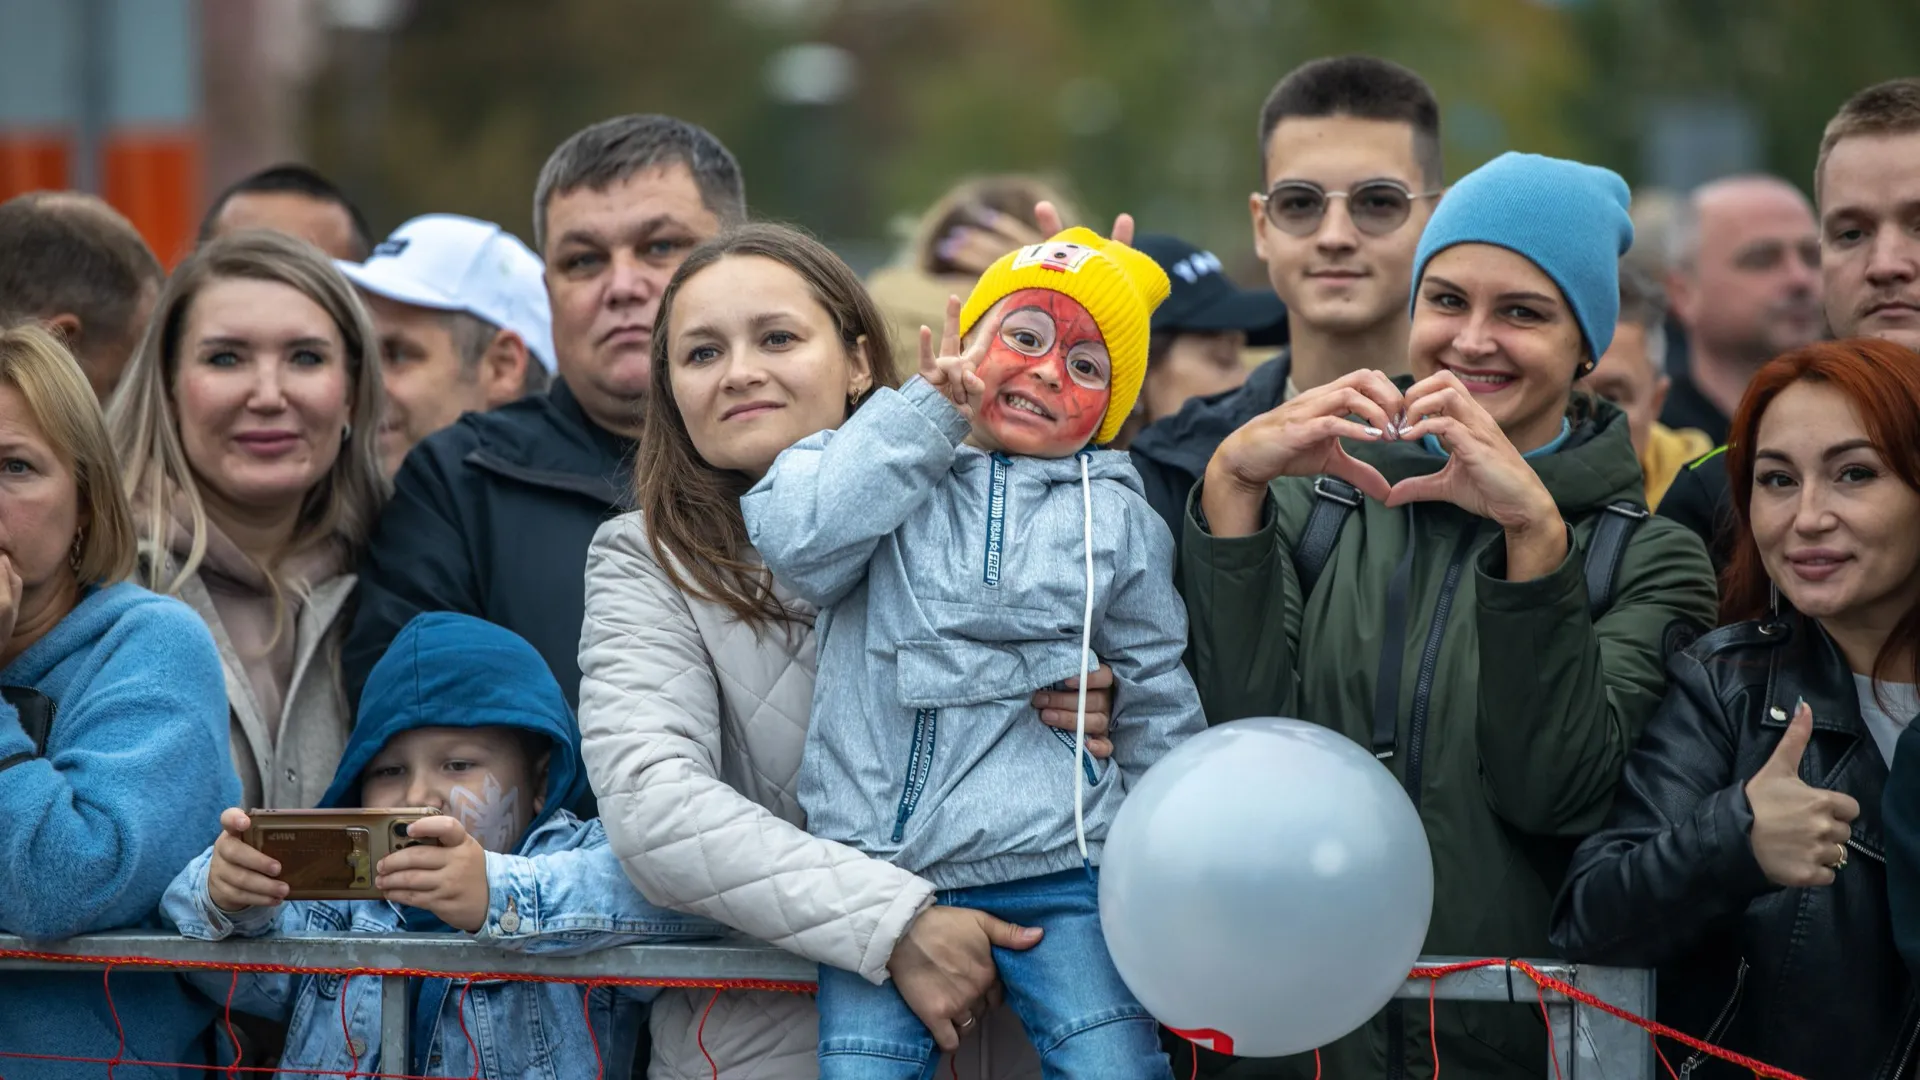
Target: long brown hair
(1882, 380)
(691, 508)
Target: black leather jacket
(1804, 979)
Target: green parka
(1515, 714)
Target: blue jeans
(1079, 1015)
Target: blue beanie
(1568, 219)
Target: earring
(346, 433)
(1773, 600)
(74, 552)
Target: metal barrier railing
(1587, 1044)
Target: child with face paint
(966, 541)
(465, 717)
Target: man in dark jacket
(493, 516)
(1867, 183)
(1350, 155)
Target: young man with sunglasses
(1350, 152)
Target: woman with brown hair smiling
(698, 677)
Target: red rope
(1433, 1026)
(352, 1054)
(586, 1014)
(1546, 1018)
(417, 973)
(227, 1018)
(1542, 983)
(1662, 1057)
(1653, 1027)
(700, 1034)
(106, 984)
(460, 1010)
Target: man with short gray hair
(493, 515)
(1745, 283)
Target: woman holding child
(1438, 606)
(246, 430)
(699, 680)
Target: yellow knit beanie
(1117, 285)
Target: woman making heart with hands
(1485, 474)
(1439, 613)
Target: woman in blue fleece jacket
(113, 731)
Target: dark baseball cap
(1204, 301)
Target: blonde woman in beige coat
(698, 678)
(245, 430)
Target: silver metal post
(1603, 1045)
(396, 1051)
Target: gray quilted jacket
(692, 729)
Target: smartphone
(330, 854)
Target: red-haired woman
(1743, 855)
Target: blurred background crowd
(855, 115)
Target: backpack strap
(1334, 500)
(36, 719)
(1607, 550)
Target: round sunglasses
(1377, 207)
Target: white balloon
(1266, 887)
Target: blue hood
(449, 670)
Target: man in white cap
(460, 307)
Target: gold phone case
(330, 854)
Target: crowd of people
(703, 587)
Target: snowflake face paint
(1047, 377)
(482, 776)
(491, 815)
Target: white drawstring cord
(1086, 668)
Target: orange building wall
(151, 176)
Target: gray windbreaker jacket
(953, 584)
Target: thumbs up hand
(1799, 832)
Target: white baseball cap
(452, 263)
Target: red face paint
(1047, 376)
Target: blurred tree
(1792, 62)
(1137, 104)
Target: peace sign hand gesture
(952, 370)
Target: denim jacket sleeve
(821, 511)
(1142, 637)
(575, 900)
(188, 907)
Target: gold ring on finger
(1842, 864)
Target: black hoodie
(1172, 454)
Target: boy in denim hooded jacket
(965, 543)
(464, 716)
